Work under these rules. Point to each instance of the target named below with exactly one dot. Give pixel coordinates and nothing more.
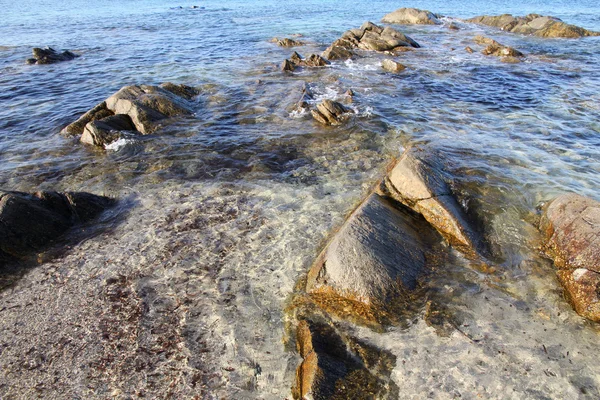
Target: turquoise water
(229, 208)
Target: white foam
(118, 144)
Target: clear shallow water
(228, 209)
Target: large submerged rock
(417, 182)
(533, 24)
(570, 225)
(411, 16)
(140, 109)
(50, 56)
(368, 37)
(29, 222)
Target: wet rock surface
(533, 24)
(392, 66)
(50, 56)
(287, 42)
(330, 112)
(297, 61)
(370, 37)
(30, 222)
(570, 225)
(411, 16)
(140, 109)
(493, 48)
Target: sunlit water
(223, 212)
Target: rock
(335, 52)
(330, 112)
(30, 222)
(570, 225)
(144, 106)
(389, 33)
(305, 99)
(97, 112)
(377, 255)
(453, 26)
(496, 49)
(337, 366)
(287, 42)
(469, 50)
(106, 130)
(416, 181)
(392, 66)
(50, 56)
(533, 24)
(411, 16)
(296, 60)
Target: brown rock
(392, 66)
(570, 225)
(97, 112)
(417, 182)
(411, 16)
(287, 42)
(496, 49)
(106, 130)
(330, 112)
(287, 66)
(469, 50)
(533, 24)
(334, 52)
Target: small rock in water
(469, 50)
(330, 112)
(296, 60)
(50, 56)
(496, 49)
(287, 42)
(392, 66)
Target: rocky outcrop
(533, 24)
(417, 182)
(411, 16)
(493, 48)
(377, 255)
(392, 66)
(570, 225)
(140, 109)
(287, 42)
(296, 60)
(330, 112)
(30, 222)
(368, 37)
(50, 56)
(336, 366)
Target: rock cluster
(50, 56)
(411, 16)
(368, 37)
(493, 48)
(296, 60)
(533, 24)
(139, 109)
(29, 222)
(570, 225)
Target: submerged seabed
(181, 291)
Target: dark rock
(184, 91)
(392, 66)
(411, 16)
(370, 27)
(97, 112)
(50, 56)
(335, 52)
(330, 112)
(570, 225)
(337, 366)
(106, 130)
(29, 222)
(296, 60)
(288, 66)
(416, 181)
(533, 24)
(453, 27)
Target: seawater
(223, 212)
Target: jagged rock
(330, 112)
(533, 24)
(50, 56)
(570, 225)
(496, 49)
(96, 113)
(377, 255)
(106, 130)
(29, 222)
(392, 66)
(146, 107)
(337, 52)
(335, 366)
(296, 60)
(417, 182)
(411, 16)
(287, 42)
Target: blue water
(269, 186)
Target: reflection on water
(233, 204)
